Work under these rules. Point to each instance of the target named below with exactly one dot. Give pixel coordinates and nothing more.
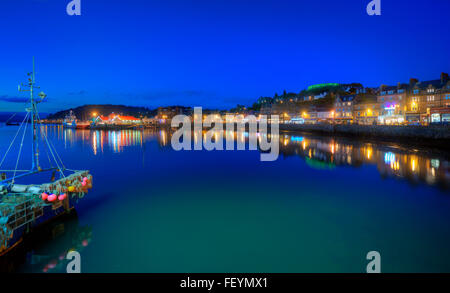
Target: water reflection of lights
(413, 164)
(94, 144)
(395, 165)
(97, 139)
(369, 153)
(117, 140)
(297, 138)
(390, 163)
(389, 158)
(163, 136)
(435, 163)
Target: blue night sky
(213, 53)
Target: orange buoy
(51, 197)
(44, 196)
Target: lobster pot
(17, 210)
(72, 184)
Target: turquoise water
(320, 207)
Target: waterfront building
(310, 117)
(344, 108)
(147, 120)
(366, 113)
(325, 115)
(425, 96)
(165, 114)
(440, 115)
(392, 103)
(116, 119)
(266, 109)
(365, 108)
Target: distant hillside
(86, 112)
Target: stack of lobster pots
(75, 185)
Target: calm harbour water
(320, 207)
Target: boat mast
(34, 149)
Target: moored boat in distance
(12, 123)
(70, 121)
(28, 204)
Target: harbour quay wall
(432, 132)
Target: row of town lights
(304, 114)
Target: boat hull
(82, 126)
(49, 213)
(31, 244)
(70, 125)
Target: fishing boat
(32, 197)
(70, 121)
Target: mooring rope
(14, 139)
(50, 148)
(20, 151)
